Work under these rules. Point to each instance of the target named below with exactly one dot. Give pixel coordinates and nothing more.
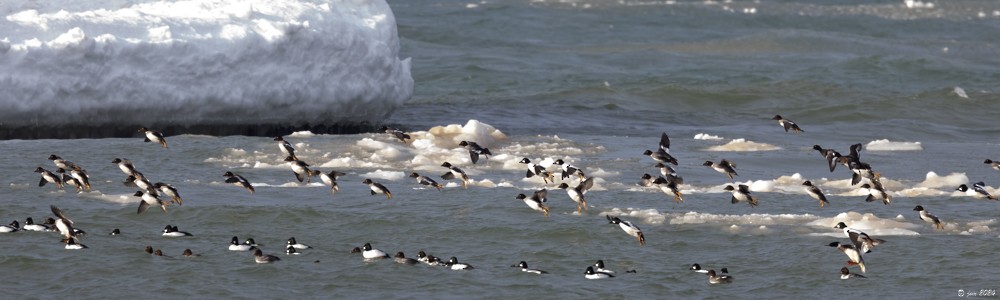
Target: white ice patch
(743, 145)
(451, 135)
(302, 134)
(935, 181)
(886, 145)
(749, 219)
(229, 62)
(705, 136)
(869, 223)
(385, 175)
(648, 216)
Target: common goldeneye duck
(815, 192)
(401, 258)
(661, 156)
(852, 253)
(189, 253)
(993, 164)
(859, 239)
(524, 268)
(148, 249)
(475, 150)
(645, 180)
(860, 170)
(629, 228)
(662, 153)
(787, 124)
(599, 267)
(115, 232)
(301, 170)
(424, 180)
(669, 186)
(148, 199)
(455, 265)
(591, 274)
(63, 224)
(153, 136)
(846, 274)
(741, 194)
(72, 244)
(536, 201)
(928, 217)
(125, 165)
(251, 242)
(979, 188)
(536, 170)
(292, 243)
(238, 180)
(568, 169)
(429, 259)
(289, 250)
(829, 155)
(697, 269)
(724, 167)
(576, 193)
(330, 178)
(169, 190)
(286, 147)
(876, 192)
(717, 279)
(48, 177)
(158, 252)
(81, 175)
(260, 258)
(234, 245)
(398, 134)
(372, 253)
(455, 172)
(377, 188)
(356, 250)
(30, 225)
(724, 271)
(60, 162)
(14, 226)
(669, 172)
(69, 180)
(172, 231)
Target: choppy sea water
(594, 84)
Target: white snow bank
(229, 62)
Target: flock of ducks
(150, 194)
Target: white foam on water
(886, 145)
(743, 145)
(953, 180)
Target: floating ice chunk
(205, 62)
(951, 181)
(302, 134)
(386, 175)
(869, 223)
(483, 134)
(705, 136)
(743, 145)
(886, 145)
